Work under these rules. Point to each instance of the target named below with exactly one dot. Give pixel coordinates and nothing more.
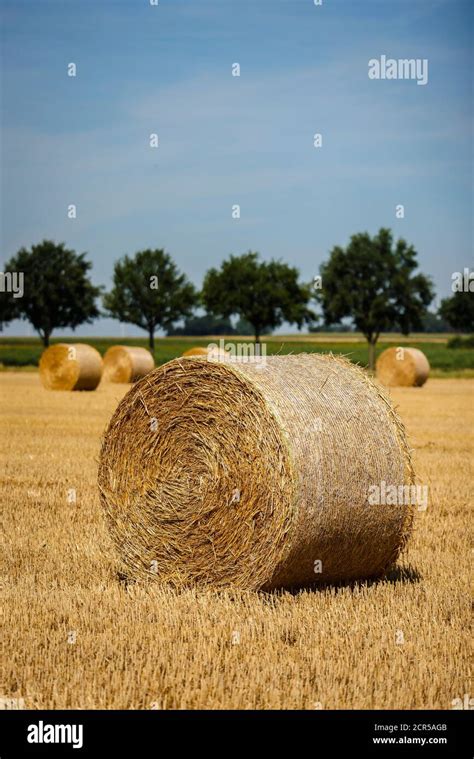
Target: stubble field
(75, 636)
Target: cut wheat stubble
(249, 475)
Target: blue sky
(227, 140)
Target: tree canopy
(57, 291)
(203, 325)
(458, 311)
(374, 282)
(149, 291)
(263, 293)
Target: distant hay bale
(214, 352)
(406, 367)
(254, 475)
(198, 351)
(74, 366)
(127, 364)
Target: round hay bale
(215, 353)
(126, 364)
(407, 367)
(74, 366)
(198, 351)
(254, 475)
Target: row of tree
(373, 282)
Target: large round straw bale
(74, 366)
(407, 367)
(256, 475)
(127, 364)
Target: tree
(376, 285)
(57, 291)
(432, 322)
(458, 311)
(243, 327)
(150, 292)
(203, 325)
(336, 327)
(265, 294)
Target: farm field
(75, 636)
(25, 352)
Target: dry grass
(145, 647)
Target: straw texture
(74, 366)
(235, 473)
(407, 367)
(127, 364)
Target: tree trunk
(372, 344)
(151, 339)
(45, 338)
(257, 337)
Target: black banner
(97, 733)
